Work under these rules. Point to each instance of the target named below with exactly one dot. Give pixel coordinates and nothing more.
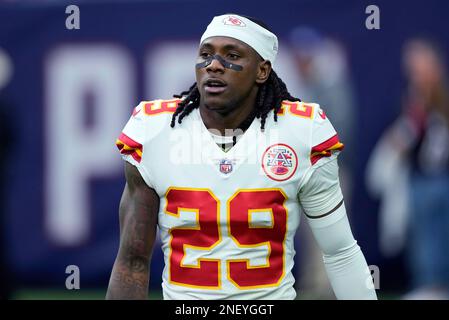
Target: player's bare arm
(139, 206)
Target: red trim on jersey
(136, 111)
(281, 110)
(325, 149)
(126, 145)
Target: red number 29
(206, 235)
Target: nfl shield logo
(225, 166)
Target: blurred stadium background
(66, 94)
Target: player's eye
(204, 55)
(233, 56)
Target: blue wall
(29, 32)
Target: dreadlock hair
(269, 97)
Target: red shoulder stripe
(325, 149)
(126, 145)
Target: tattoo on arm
(139, 207)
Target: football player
(223, 171)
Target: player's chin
(216, 102)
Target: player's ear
(263, 71)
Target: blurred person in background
(324, 77)
(416, 146)
(321, 65)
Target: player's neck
(232, 120)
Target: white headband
(230, 25)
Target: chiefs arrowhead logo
(234, 21)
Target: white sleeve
(132, 142)
(345, 264)
(325, 145)
(322, 191)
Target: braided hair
(269, 97)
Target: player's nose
(214, 66)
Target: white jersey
(227, 220)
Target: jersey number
(206, 235)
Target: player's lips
(215, 85)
